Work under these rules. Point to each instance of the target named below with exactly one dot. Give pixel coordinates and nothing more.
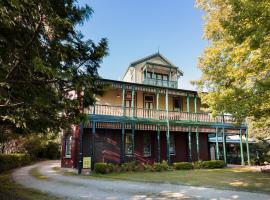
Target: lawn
(9, 190)
(228, 178)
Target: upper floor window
(68, 141)
(177, 104)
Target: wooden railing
(158, 114)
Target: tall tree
(236, 63)
(45, 63)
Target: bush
(129, 166)
(161, 166)
(101, 168)
(11, 161)
(197, 165)
(212, 164)
(182, 165)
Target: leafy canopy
(236, 63)
(45, 63)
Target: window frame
(172, 141)
(128, 144)
(68, 145)
(180, 103)
(147, 142)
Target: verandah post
(241, 148)
(133, 142)
(224, 146)
(157, 107)
(93, 144)
(122, 149)
(189, 144)
(158, 143)
(132, 101)
(81, 149)
(123, 100)
(217, 144)
(198, 143)
(247, 145)
(188, 103)
(168, 128)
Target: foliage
(128, 166)
(212, 164)
(163, 166)
(182, 166)
(40, 146)
(101, 168)
(46, 65)
(259, 129)
(236, 63)
(11, 161)
(261, 149)
(197, 165)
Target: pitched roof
(153, 56)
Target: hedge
(182, 166)
(11, 161)
(212, 164)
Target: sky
(138, 28)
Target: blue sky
(138, 28)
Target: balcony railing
(161, 114)
(163, 83)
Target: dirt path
(72, 187)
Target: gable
(155, 58)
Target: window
(68, 140)
(165, 77)
(128, 144)
(172, 145)
(149, 75)
(177, 104)
(159, 76)
(147, 145)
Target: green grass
(9, 190)
(35, 173)
(227, 178)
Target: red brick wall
(71, 162)
(108, 144)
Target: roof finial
(158, 50)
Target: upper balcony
(142, 113)
(161, 83)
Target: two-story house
(145, 117)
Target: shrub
(128, 167)
(101, 168)
(11, 161)
(147, 167)
(161, 166)
(197, 165)
(212, 164)
(182, 165)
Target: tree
(45, 63)
(236, 63)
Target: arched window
(68, 141)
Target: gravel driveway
(73, 187)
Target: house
(145, 117)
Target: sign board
(86, 162)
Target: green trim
(122, 150)
(132, 101)
(158, 143)
(217, 145)
(198, 143)
(93, 144)
(126, 119)
(168, 144)
(189, 144)
(157, 103)
(224, 146)
(241, 147)
(247, 145)
(133, 141)
(123, 100)
(81, 149)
